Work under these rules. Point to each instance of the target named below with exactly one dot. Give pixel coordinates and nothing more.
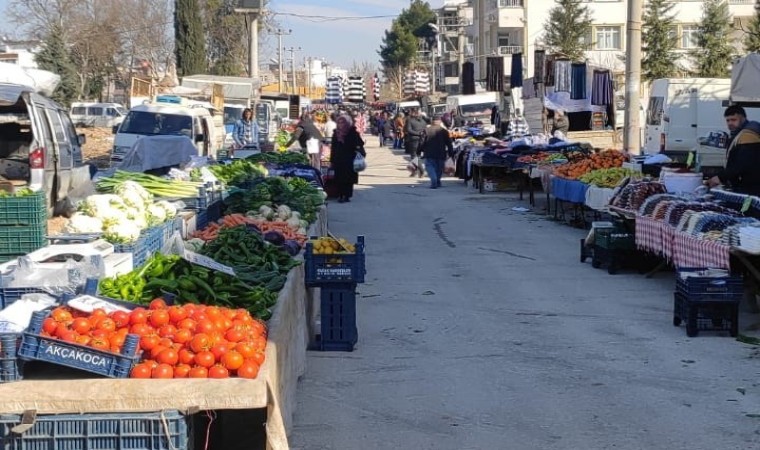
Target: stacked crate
(23, 225)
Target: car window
(45, 130)
(68, 127)
(111, 112)
(79, 110)
(95, 111)
(654, 111)
(58, 130)
(151, 123)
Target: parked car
(39, 146)
(105, 115)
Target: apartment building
(454, 20)
(19, 52)
(505, 27)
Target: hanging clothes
(549, 71)
(468, 78)
(601, 88)
(562, 75)
(495, 74)
(529, 88)
(539, 65)
(578, 81)
(516, 76)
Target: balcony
(507, 50)
(511, 16)
(510, 3)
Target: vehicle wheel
(692, 330)
(595, 263)
(676, 321)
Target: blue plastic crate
(205, 197)
(154, 237)
(338, 317)
(167, 430)
(35, 347)
(168, 229)
(10, 366)
(729, 288)
(138, 249)
(335, 268)
(8, 295)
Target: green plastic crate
(28, 210)
(20, 240)
(614, 239)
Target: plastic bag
(312, 146)
(450, 167)
(360, 164)
(414, 165)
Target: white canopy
(41, 81)
(745, 79)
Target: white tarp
(745, 79)
(41, 81)
(155, 152)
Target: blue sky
(340, 42)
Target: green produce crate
(614, 239)
(27, 210)
(20, 240)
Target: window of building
(450, 70)
(503, 41)
(608, 38)
(689, 36)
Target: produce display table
(598, 198)
(689, 251)
(572, 191)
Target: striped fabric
(376, 87)
(356, 91)
(416, 83)
(334, 92)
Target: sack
(312, 146)
(359, 163)
(450, 167)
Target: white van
(105, 115)
(474, 108)
(166, 116)
(681, 110)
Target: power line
(317, 18)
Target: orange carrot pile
(233, 220)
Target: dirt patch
(97, 149)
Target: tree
(752, 39)
(227, 37)
(713, 58)
(190, 39)
(659, 40)
(400, 43)
(55, 57)
(568, 28)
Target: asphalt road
(480, 329)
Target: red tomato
(81, 325)
(99, 333)
(199, 315)
(163, 371)
(62, 315)
(151, 363)
(260, 342)
(217, 338)
(121, 318)
(258, 358)
(176, 314)
(107, 324)
(138, 315)
(221, 325)
(232, 360)
(157, 303)
(198, 372)
(183, 336)
(218, 372)
(188, 324)
(234, 335)
(117, 340)
(186, 356)
(140, 329)
(83, 340)
(166, 342)
(249, 369)
(168, 356)
(68, 336)
(142, 370)
(159, 318)
(246, 349)
(100, 344)
(205, 326)
(205, 359)
(49, 326)
(149, 341)
(155, 351)
(182, 371)
(212, 312)
(167, 331)
(220, 350)
(200, 342)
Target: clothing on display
(562, 75)
(550, 70)
(601, 88)
(529, 88)
(495, 74)
(516, 77)
(539, 63)
(578, 81)
(468, 78)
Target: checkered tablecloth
(689, 251)
(649, 234)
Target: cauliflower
(169, 208)
(134, 195)
(156, 214)
(283, 212)
(125, 232)
(113, 216)
(82, 223)
(101, 205)
(293, 223)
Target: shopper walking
(414, 136)
(246, 131)
(398, 129)
(330, 125)
(436, 148)
(346, 143)
(380, 126)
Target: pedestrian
(414, 136)
(305, 130)
(398, 128)
(246, 131)
(456, 119)
(346, 143)
(436, 148)
(560, 123)
(380, 126)
(330, 125)
(388, 128)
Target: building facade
(20, 53)
(454, 37)
(505, 27)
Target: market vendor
(560, 123)
(304, 131)
(742, 172)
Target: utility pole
(293, 51)
(253, 43)
(280, 33)
(632, 132)
(308, 74)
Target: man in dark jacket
(435, 150)
(414, 136)
(304, 131)
(742, 170)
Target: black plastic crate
(10, 365)
(720, 315)
(614, 239)
(338, 315)
(335, 268)
(165, 430)
(26, 210)
(728, 288)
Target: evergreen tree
(399, 46)
(660, 40)
(752, 39)
(568, 28)
(713, 58)
(190, 39)
(55, 57)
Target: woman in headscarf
(346, 143)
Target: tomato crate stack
(165, 430)
(10, 367)
(707, 299)
(336, 267)
(23, 224)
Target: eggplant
(292, 247)
(274, 237)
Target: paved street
(479, 329)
